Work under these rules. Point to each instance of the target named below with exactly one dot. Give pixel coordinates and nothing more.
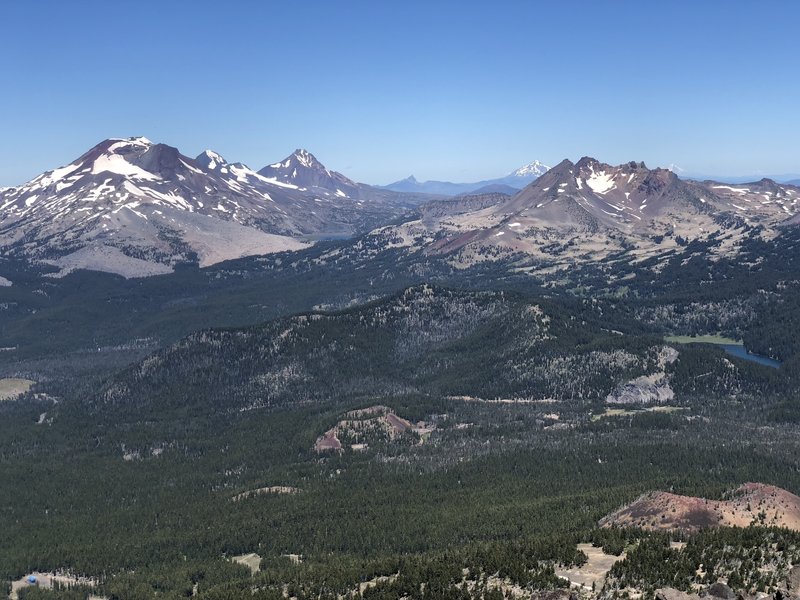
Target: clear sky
(379, 90)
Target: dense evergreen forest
(153, 449)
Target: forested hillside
(150, 480)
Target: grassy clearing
(624, 412)
(702, 339)
(11, 387)
(614, 412)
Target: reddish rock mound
(749, 504)
(361, 426)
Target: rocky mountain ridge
(590, 212)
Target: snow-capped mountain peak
(536, 168)
(141, 140)
(210, 160)
(302, 169)
(123, 157)
(117, 143)
(305, 158)
(298, 157)
(115, 156)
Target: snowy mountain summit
(535, 169)
(303, 170)
(211, 160)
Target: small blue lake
(739, 351)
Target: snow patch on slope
(601, 182)
(114, 163)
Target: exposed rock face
(554, 595)
(721, 590)
(794, 581)
(647, 389)
(673, 594)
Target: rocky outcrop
(673, 594)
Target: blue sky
(379, 90)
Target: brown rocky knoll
(358, 426)
(749, 504)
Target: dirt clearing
(594, 571)
(46, 581)
(252, 561)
